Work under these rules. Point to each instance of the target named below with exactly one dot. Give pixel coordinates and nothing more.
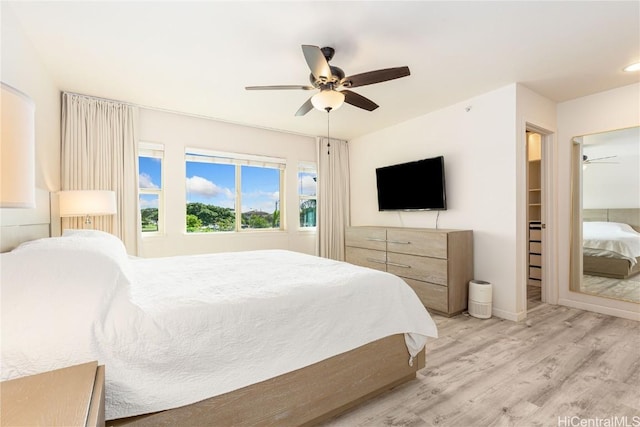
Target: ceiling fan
(587, 161)
(333, 85)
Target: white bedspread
(174, 331)
(612, 240)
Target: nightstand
(72, 396)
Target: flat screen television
(417, 185)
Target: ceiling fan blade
(359, 101)
(305, 108)
(317, 62)
(377, 76)
(600, 158)
(279, 87)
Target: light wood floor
(560, 362)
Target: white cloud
(198, 186)
(264, 201)
(307, 185)
(146, 181)
(148, 203)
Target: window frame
(156, 151)
(202, 155)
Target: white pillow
(57, 294)
(77, 244)
(607, 226)
(92, 234)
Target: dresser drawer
(366, 258)
(366, 237)
(432, 270)
(432, 296)
(417, 242)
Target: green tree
(193, 223)
(212, 218)
(257, 221)
(149, 219)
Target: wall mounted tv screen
(410, 186)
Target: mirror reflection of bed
(611, 253)
(606, 220)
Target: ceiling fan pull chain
(328, 138)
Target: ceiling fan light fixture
(328, 99)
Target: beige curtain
(99, 153)
(333, 197)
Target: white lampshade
(331, 99)
(87, 203)
(17, 150)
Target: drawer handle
(398, 265)
(377, 261)
(373, 239)
(398, 242)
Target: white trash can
(480, 297)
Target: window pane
(307, 183)
(260, 197)
(149, 212)
(150, 168)
(308, 213)
(211, 189)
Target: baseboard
(611, 311)
(508, 315)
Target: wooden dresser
(72, 396)
(436, 263)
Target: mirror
(605, 191)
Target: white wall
(178, 131)
(477, 138)
(614, 109)
(537, 113)
(22, 69)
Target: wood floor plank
(560, 362)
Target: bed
(610, 249)
(260, 337)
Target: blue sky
(214, 184)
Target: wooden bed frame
(303, 397)
(611, 267)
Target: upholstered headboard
(627, 216)
(21, 225)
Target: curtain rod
(198, 116)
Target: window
(307, 186)
(150, 158)
(232, 192)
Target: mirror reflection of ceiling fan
(333, 84)
(598, 160)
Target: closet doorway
(535, 219)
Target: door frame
(548, 164)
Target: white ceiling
(197, 57)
